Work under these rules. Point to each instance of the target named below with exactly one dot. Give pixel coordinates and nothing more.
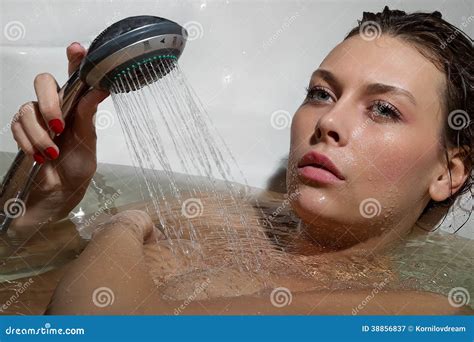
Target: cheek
(399, 160)
(302, 126)
(300, 140)
(391, 164)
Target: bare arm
(115, 260)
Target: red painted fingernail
(56, 125)
(51, 153)
(38, 158)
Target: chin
(312, 203)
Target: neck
(317, 239)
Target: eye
(318, 94)
(385, 110)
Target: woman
(379, 127)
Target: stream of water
(166, 112)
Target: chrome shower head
(131, 46)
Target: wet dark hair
(452, 52)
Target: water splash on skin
(168, 113)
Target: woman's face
(375, 110)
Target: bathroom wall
(249, 61)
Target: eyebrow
(372, 89)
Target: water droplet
(183, 122)
(228, 77)
(80, 213)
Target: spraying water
(168, 110)
(164, 125)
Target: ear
(451, 177)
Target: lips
(318, 160)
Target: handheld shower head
(142, 48)
(128, 44)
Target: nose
(324, 133)
(331, 127)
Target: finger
(36, 132)
(48, 101)
(75, 53)
(84, 127)
(22, 140)
(24, 143)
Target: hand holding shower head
(129, 44)
(145, 47)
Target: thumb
(84, 127)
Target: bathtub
(240, 59)
(227, 62)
